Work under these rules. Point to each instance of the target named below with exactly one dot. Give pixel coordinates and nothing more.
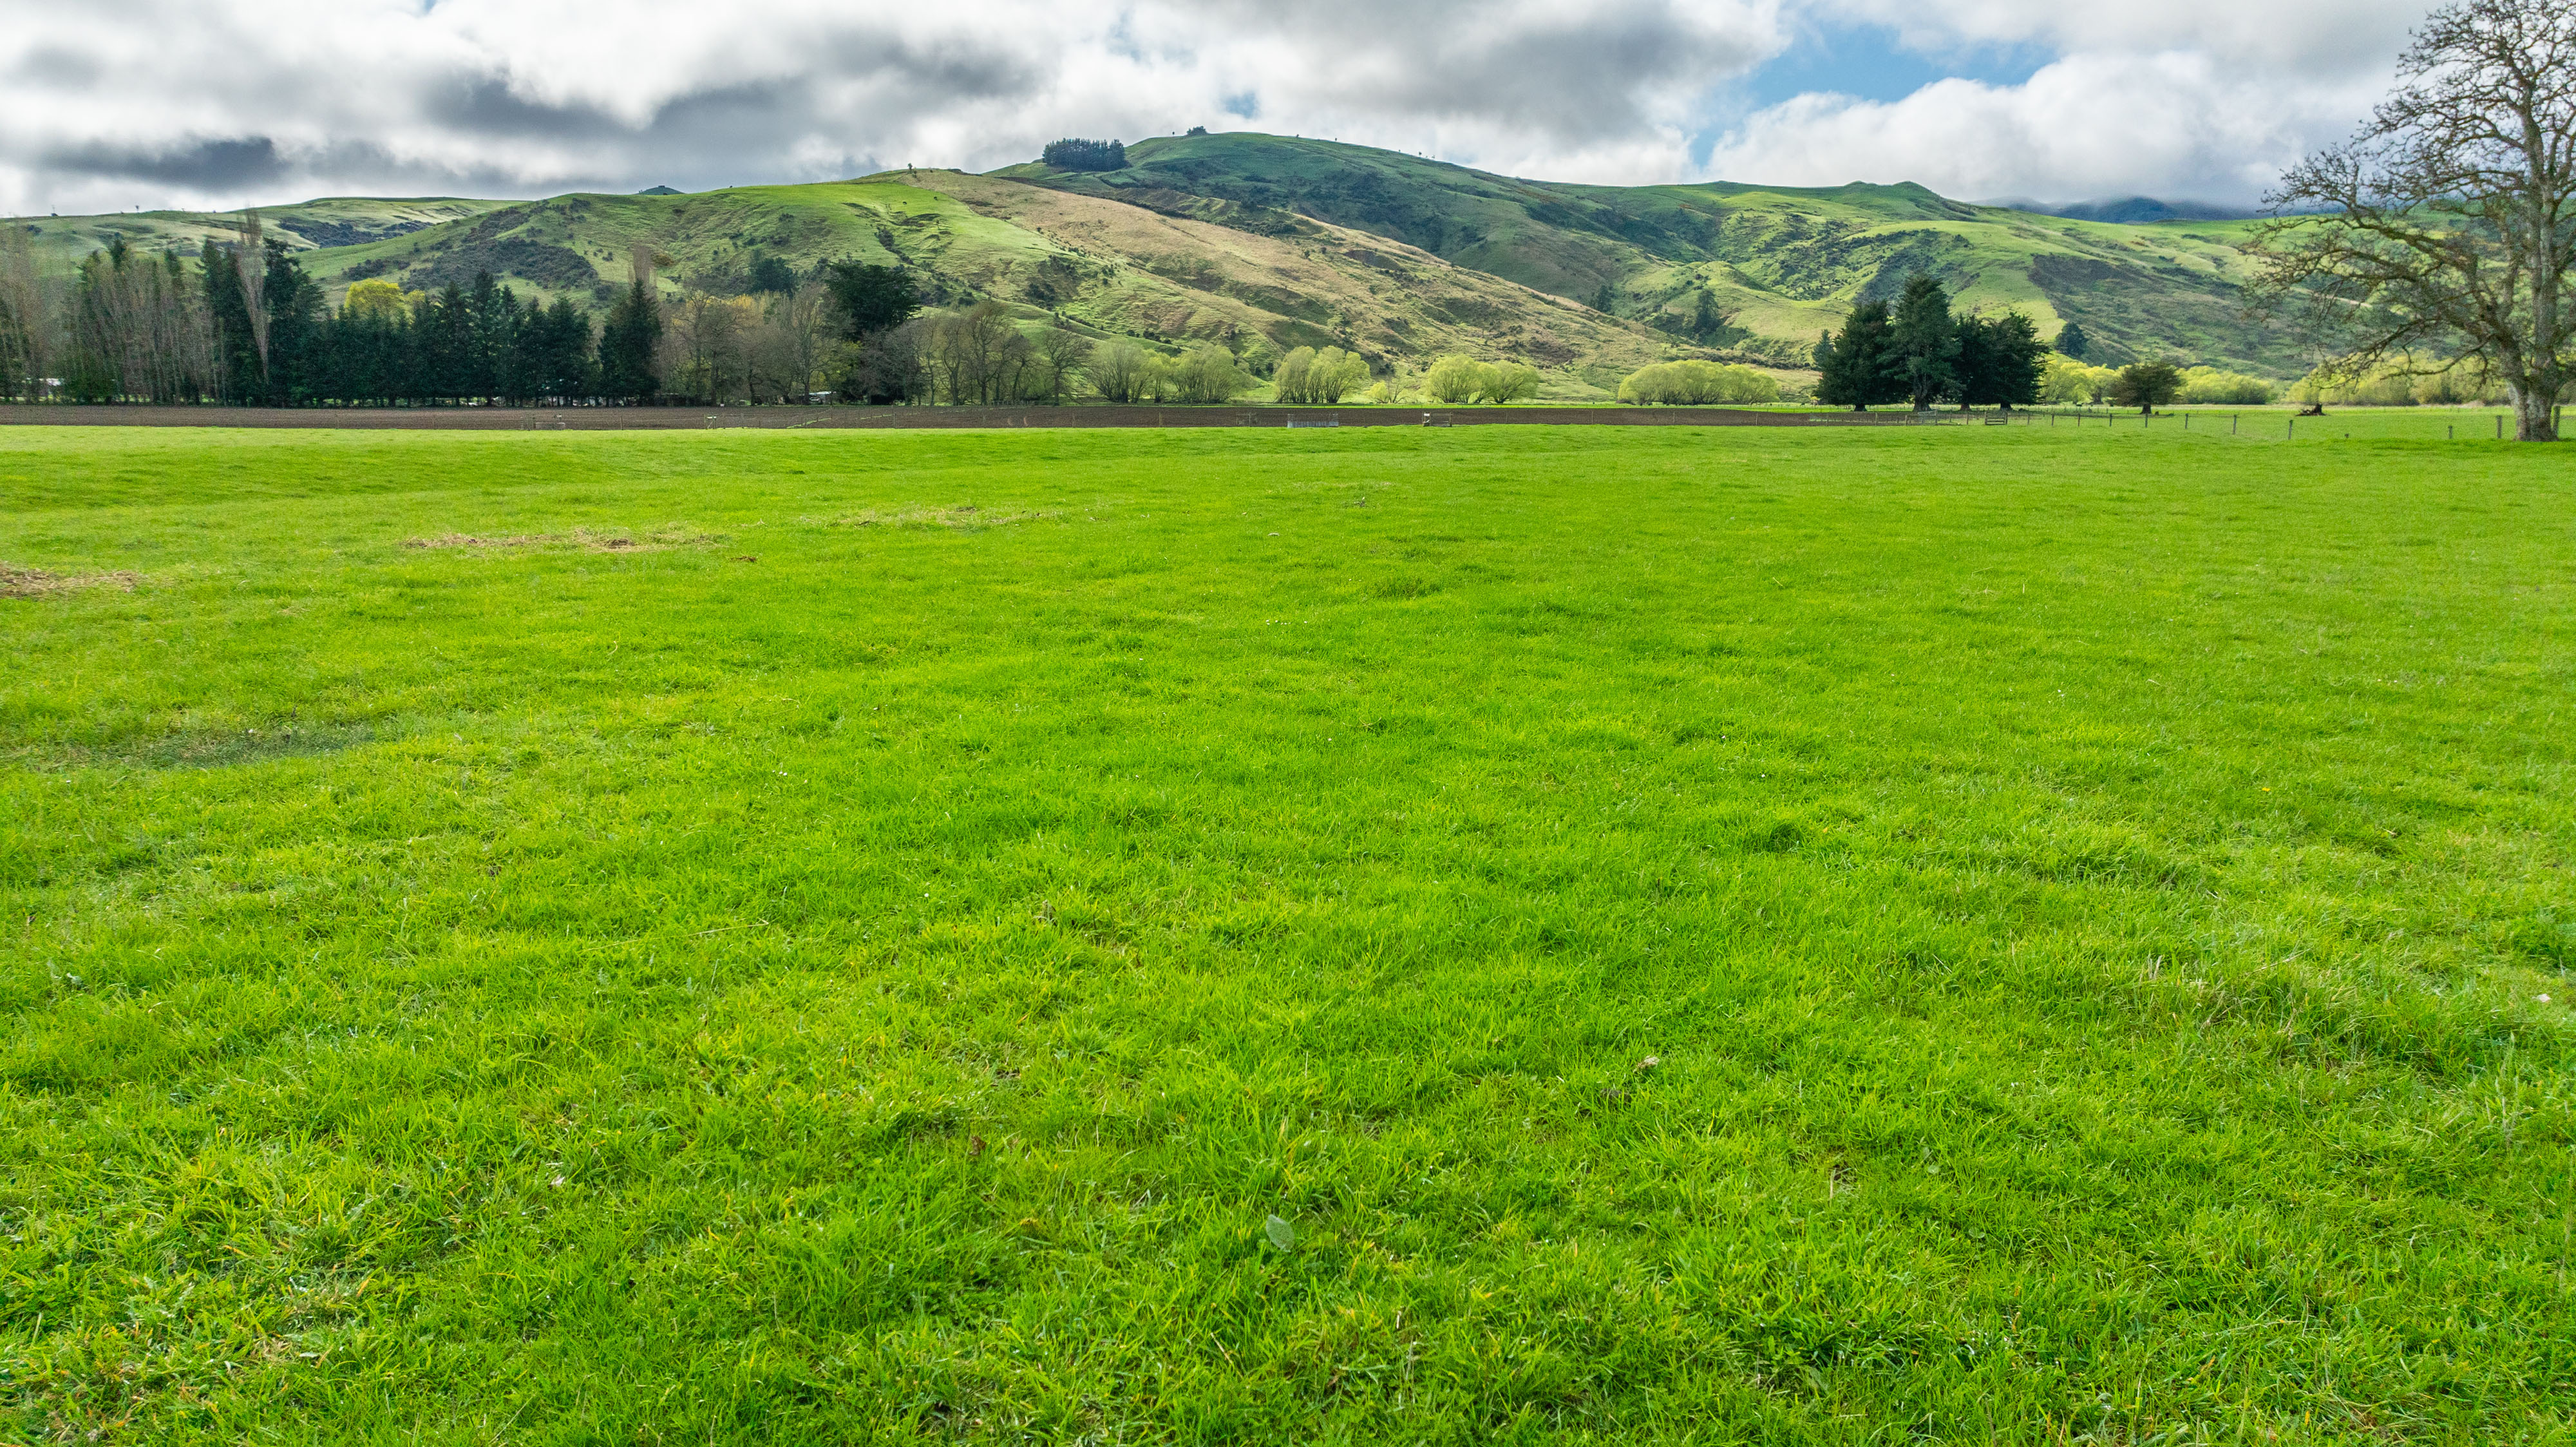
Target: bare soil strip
(660, 539)
(16, 582)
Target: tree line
(240, 322)
(1922, 352)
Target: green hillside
(1784, 262)
(339, 221)
(1265, 243)
(1096, 264)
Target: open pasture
(2284, 424)
(1492, 935)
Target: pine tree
(239, 374)
(2015, 360)
(445, 340)
(870, 299)
(2071, 342)
(293, 302)
(558, 352)
(1968, 369)
(490, 323)
(1857, 361)
(1926, 343)
(627, 343)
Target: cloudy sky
(149, 103)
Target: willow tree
(2447, 224)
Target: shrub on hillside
(1697, 384)
(556, 268)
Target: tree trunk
(2534, 415)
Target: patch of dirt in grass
(199, 748)
(589, 540)
(1403, 588)
(939, 517)
(17, 582)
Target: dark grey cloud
(198, 165)
(57, 65)
(480, 104)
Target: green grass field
(1486, 935)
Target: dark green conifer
(1857, 362)
(1926, 342)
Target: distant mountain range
(1268, 241)
(2137, 211)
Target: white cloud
(158, 102)
(2188, 99)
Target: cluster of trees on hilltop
(1073, 155)
(1920, 351)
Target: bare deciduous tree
(1061, 357)
(978, 356)
(2449, 221)
(23, 323)
(709, 347)
(799, 332)
(139, 328)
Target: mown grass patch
(1960, 934)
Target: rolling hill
(61, 241)
(1264, 243)
(1783, 262)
